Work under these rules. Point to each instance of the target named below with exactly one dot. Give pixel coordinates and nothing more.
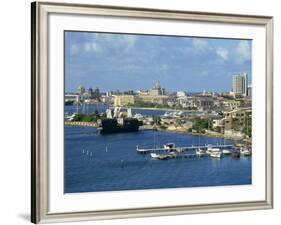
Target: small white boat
(245, 152)
(200, 152)
(226, 152)
(212, 150)
(154, 155)
(215, 154)
(158, 156)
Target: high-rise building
(240, 84)
(96, 94)
(81, 90)
(249, 91)
(90, 93)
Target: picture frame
(41, 111)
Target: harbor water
(94, 162)
(91, 108)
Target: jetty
(180, 149)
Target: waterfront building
(107, 99)
(235, 120)
(158, 99)
(240, 84)
(218, 125)
(218, 122)
(123, 100)
(81, 89)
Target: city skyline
(136, 62)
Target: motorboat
(245, 152)
(200, 152)
(226, 152)
(212, 150)
(159, 156)
(216, 154)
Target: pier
(179, 149)
(81, 123)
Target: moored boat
(200, 152)
(159, 156)
(226, 152)
(245, 152)
(235, 154)
(212, 150)
(216, 154)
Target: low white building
(71, 98)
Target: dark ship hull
(111, 126)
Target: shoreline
(206, 135)
(93, 124)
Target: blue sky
(136, 62)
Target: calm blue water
(121, 168)
(88, 109)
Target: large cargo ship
(118, 122)
(110, 126)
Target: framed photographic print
(146, 112)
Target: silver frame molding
(39, 110)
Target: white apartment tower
(240, 84)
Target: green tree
(199, 124)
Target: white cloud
(243, 51)
(116, 40)
(92, 47)
(200, 44)
(222, 53)
(99, 42)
